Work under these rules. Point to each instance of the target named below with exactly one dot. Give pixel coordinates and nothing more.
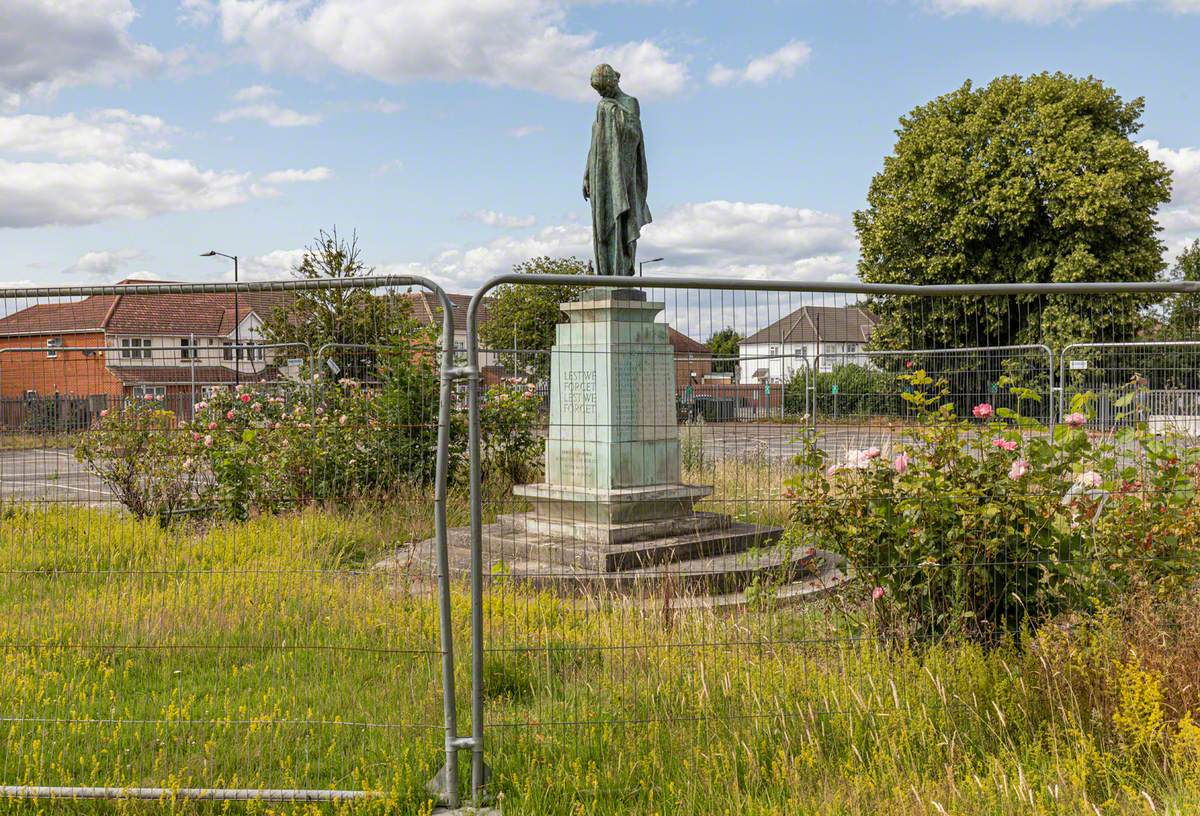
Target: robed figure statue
(615, 180)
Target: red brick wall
(70, 373)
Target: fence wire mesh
(724, 538)
(706, 601)
(201, 504)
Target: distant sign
(833, 389)
(1079, 365)
(295, 362)
(334, 367)
(767, 390)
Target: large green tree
(1029, 179)
(724, 346)
(1183, 317)
(522, 317)
(344, 316)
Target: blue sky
(451, 134)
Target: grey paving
(46, 475)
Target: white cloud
(253, 93)
(277, 265)
(385, 106)
(516, 43)
(1180, 219)
(271, 114)
(524, 130)
(46, 45)
(80, 170)
(782, 62)
(292, 176)
(103, 263)
(391, 166)
(103, 133)
(1031, 11)
(491, 218)
(713, 238)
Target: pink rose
(1089, 478)
(195, 436)
(148, 397)
(342, 419)
(871, 453)
(208, 441)
(877, 593)
(901, 462)
(832, 469)
(1075, 420)
(983, 410)
(1019, 468)
(256, 407)
(229, 414)
(212, 426)
(244, 398)
(1006, 444)
(104, 413)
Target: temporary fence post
(441, 479)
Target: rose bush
(143, 457)
(508, 423)
(977, 526)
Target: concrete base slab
(614, 533)
(623, 505)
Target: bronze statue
(616, 179)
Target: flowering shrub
(979, 525)
(243, 437)
(508, 420)
(141, 456)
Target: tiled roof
(208, 314)
(684, 344)
(427, 309)
(828, 324)
(183, 375)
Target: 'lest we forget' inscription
(579, 391)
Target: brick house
(693, 359)
(91, 352)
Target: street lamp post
(643, 263)
(237, 317)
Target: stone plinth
(612, 395)
(612, 451)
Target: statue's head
(605, 79)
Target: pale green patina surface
(612, 387)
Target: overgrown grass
(269, 654)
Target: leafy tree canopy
(724, 346)
(523, 317)
(1029, 179)
(1183, 321)
(338, 316)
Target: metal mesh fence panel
(208, 559)
(716, 574)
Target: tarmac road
(48, 475)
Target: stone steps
(709, 569)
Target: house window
(135, 348)
(773, 350)
(187, 349)
(156, 391)
(52, 346)
(801, 351)
(228, 348)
